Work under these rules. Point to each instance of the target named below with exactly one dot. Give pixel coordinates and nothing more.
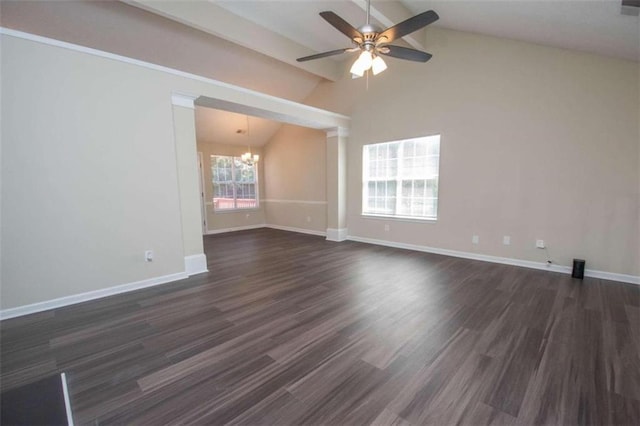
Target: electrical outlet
(308, 218)
(148, 256)
(386, 227)
(475, 239)
(540, 244)
(506, 240)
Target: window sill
(399, 218)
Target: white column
(337, 184)
(195, 260)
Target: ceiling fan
(371, 41)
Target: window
(400, 178)
(235, 184)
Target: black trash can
(578, 268)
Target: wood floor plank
(291, 329)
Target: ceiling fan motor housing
(373, 40)
(370, 34)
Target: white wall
(295, 169)
(537, 143)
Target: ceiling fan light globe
(357, 68)
(366, 59)
(378, 65)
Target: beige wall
(113, 26)
(188, 179)
(295, 183)
(537, 143)
(89, 176)
(231, 219)
(90, 172)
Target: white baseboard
(334, 234)
(90, 295)
(267, 225)
(611, 276)
(299, 230)
(234, 229)
(195, 264)
(631, 279)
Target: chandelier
(248, 158)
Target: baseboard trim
(234, 229)
(338, 235)
(90, 295)
(299, 230)
(612, 276)
(195, 264)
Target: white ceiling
(300, 20)
(595, 26)
(216, 126)
(287, 29)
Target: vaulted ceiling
(203, 37)
(289, 29)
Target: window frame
(234, 185)
(398, 179)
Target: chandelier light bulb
(249, 159)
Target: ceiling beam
(389, 13)
(213, 19)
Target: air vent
(630, 7)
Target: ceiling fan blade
(324, 54)
(405, 53)
(409, 26)
(341, 25)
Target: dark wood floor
(292, 329)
